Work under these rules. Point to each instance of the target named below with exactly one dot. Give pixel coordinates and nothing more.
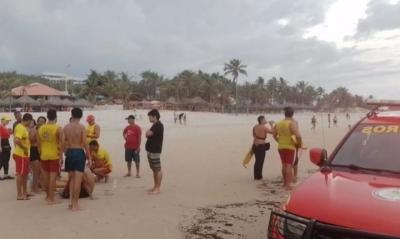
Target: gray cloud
(381, 15)
(170, 36)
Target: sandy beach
(206, 193)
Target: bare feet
(76, 209)
(52, 202)
(150, 190)
(23, 198)
(127, 175)
(154, 192)
(137, 176)
(294, 180)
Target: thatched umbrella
(8, 101)
(56, 102)
(82, 103)
(171, 100)
(198, 101)
(26, 100)
(67, 103)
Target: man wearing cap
(5, 147)
(132, 135)
(92, 130)
(21, 155)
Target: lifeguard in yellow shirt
(101, 165)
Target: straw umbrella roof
(198, 101)
(26, 100)
(53, 102)
(82, 103)
(171, 100)
(67, 103)
(6, 101)
(36, 89)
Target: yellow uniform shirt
(90, 133)
(102, 159)
(285, 140)
(49, 145)
(22, 133)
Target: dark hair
(52, 114)
(154, 113)
(288, 112)
(76, 113)
(27, 117)
(42, 117)
(17, 112)
(260, 118)
(93, 143)
(34, 122)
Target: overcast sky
(352, 43)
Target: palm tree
(235, 68)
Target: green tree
(235, 68)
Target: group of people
(181, 117)
(286, 133)
(40, 147)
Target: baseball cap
(90, 118)
(6, 118)
(130, 117)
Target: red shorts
(287, 156)
(50, 166)
(21, 165)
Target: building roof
(36, 89)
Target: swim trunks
(287, 156)
(75, 160)
(51, 166)
(154, 160)
(21, 165)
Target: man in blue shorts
(76, 153)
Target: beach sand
(206, 193)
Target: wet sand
(206, 193)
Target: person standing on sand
(335, 121)
(313, 123)
(21, 156)
(5, 147)
(155, 136)
(50, 142)
(92, 130)
(260, 146)
(34, 158)
(284, 131)
(76, 153)
(329, 120)
(133, 139)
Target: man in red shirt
(132, 135)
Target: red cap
(90, 118)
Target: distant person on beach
(5, 147)
(313, 123)
(260, 146)
(155, 136)
(347, 116)
(329, 120)
(284, 132)
(34, 158)
(92, 129)
(181, 117)
(76, 153)
(18, 118)
(335, 121)
(51, 153)
(101, 162)
(21, 156)
(133, 140)
(184, 119)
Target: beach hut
(199, 104)
(67, 103)
(171, 103)
(82, 103)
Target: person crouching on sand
(284, 131)
(260, 146)
(21, 155)
(155, 136)
(101, 162)
(133, 139)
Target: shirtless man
(76, 153)
(260, 132)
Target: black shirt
(154, 142)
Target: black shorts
(34, 154)
(131, 155)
